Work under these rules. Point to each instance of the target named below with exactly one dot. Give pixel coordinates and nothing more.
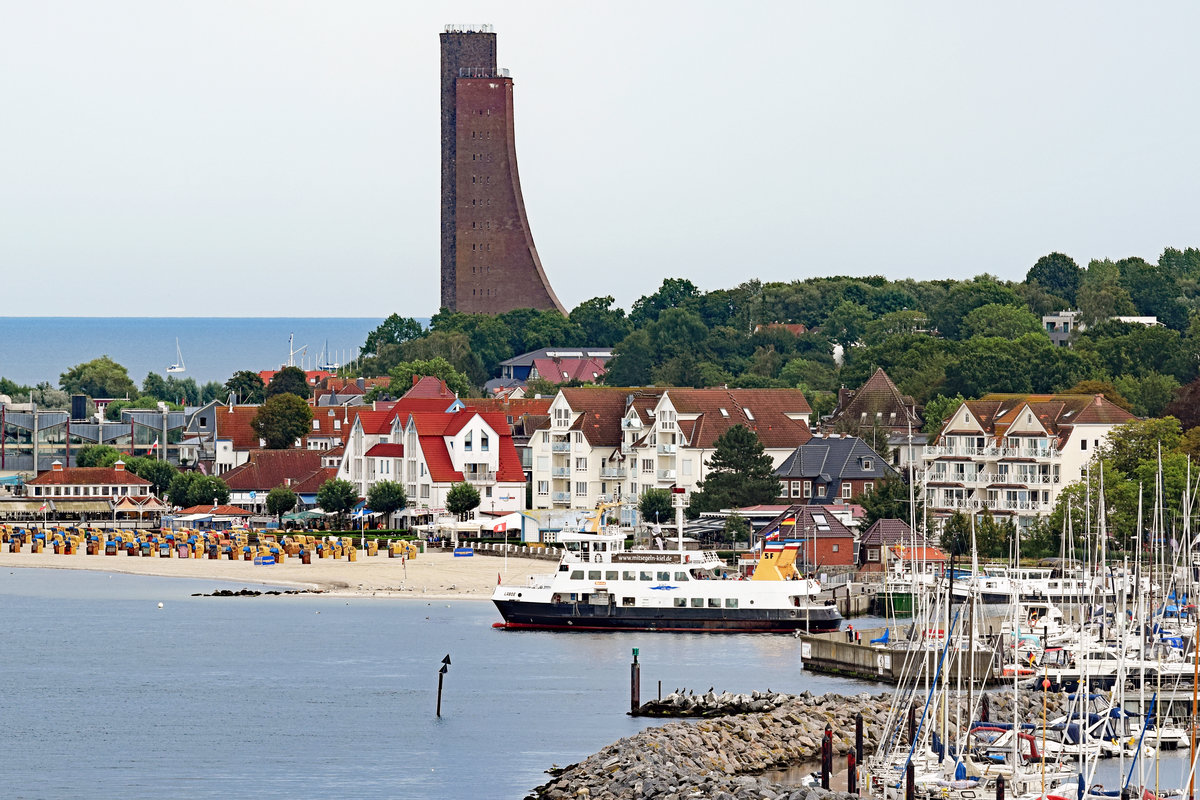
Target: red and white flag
(500, 527)
(43, 508)
(154, 446)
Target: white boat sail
(178, 366)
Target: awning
(83, 506)
(20, 506)
(300, 516)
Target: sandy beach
(433, 574)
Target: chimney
(361, 383)
(415, 379)
(287, 481)
(56, 466)
(1099, 397)
(119, 466)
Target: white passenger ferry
(601, 585)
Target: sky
(281, 158)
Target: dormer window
(866, 464)
(316, 425)
(483, 442)
(467, 442)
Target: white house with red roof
(608, 444)
(441, 450)
(87, 490)
(1012, 455)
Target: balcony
(560, 472)
(666, 449)
(612, 472)
(482, 476)
(666, 474)
(630, 424)
(561, 497)
(560, 447)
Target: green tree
(740, 473)
(674, 293)
(888, 501)
(280, 501)
(846, 323)
(100, 377)
(337, 496)
(1186, 405)
(189, 489)
(453, 348)
(631, 362)
(737, 529)
(997, 319)
(386, 497)
(1149, 394)
(552, 329)
(939, 409)
(282, 420)
(159, 473)
(1057, 274)
(246, 386)
(395, 330)
(289, 380)
(965, 296)
(461, 498)
(655, 507)
(97, 455)
(600, 324)
(956, 534)
(402, 375)
(1136, 441)
(1189, 444)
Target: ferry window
(680, 602)
(681, 576)
(646, 575)
(664, 576)
(577, 575)
(593, 575)
(731, 602)
(611, 575)
(629, 575)
(697, 602)
(714, 602)
(628, 601)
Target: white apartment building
(608, 445)
(1013, 454)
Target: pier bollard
(635, 683)
(912, 724)
(999, 787)
(851, 773)
(858, 736)
(910, 781)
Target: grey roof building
(829, 468)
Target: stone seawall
(723, 757)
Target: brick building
(489, 262)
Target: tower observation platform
(489, 261)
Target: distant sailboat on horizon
(178, 366)
(326, 362)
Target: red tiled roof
(233, 424)
(767, 417)
(313, 482)
(877, 399)
(794, 328)
(1058, 414)
(433, 428)
(386, 450)
(560, 370)
(267, 469)
(602, 409)
(314, 376)
(437, 459)
(429, 386)
(88, 476)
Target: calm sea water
(35, 349)
(106, 695)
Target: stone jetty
(738, 737)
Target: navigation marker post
(442, 674)
(635, 684)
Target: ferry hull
(584, 617)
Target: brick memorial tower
(489, 262)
